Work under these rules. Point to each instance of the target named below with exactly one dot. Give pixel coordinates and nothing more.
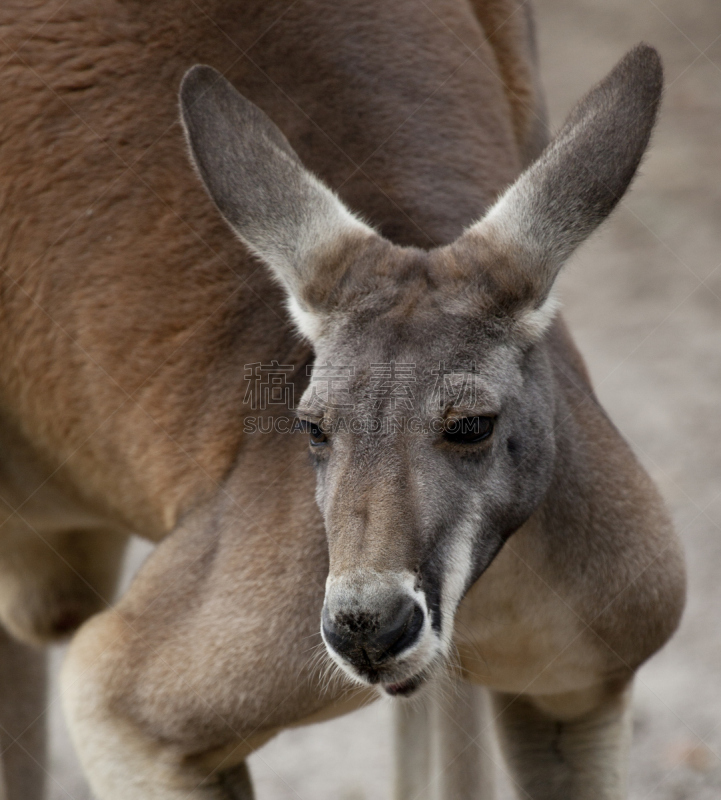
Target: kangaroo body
(129, 314)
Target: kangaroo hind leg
(23, 697)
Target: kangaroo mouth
(404, 688)
(392, 687)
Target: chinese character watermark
(330, 385)
(393, 385)
(268, 385)
(454, 386)
(390, 386)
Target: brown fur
(128, 311)
(119, 443)
(509, 27)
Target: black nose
(367, 639)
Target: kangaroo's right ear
(573, 186)
(282, 212)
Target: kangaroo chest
(518, 628)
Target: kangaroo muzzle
(370, 622)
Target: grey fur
(580, 177)
(280, 211)
(401, 508)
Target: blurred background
(643, 299)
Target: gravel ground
(644, 301)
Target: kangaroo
(401, 215)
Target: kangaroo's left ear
(572, 187)
(280, 210)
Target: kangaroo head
(433, 432)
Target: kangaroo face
(433, 440)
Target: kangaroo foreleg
(123, 760)
(412, 750)
(560, 750)
(444, 744)
(210, 652)
(464, 760)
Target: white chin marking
(458, 569)
(454, 583)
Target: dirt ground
(644, 300)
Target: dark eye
(468, 430)
(317, 437)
